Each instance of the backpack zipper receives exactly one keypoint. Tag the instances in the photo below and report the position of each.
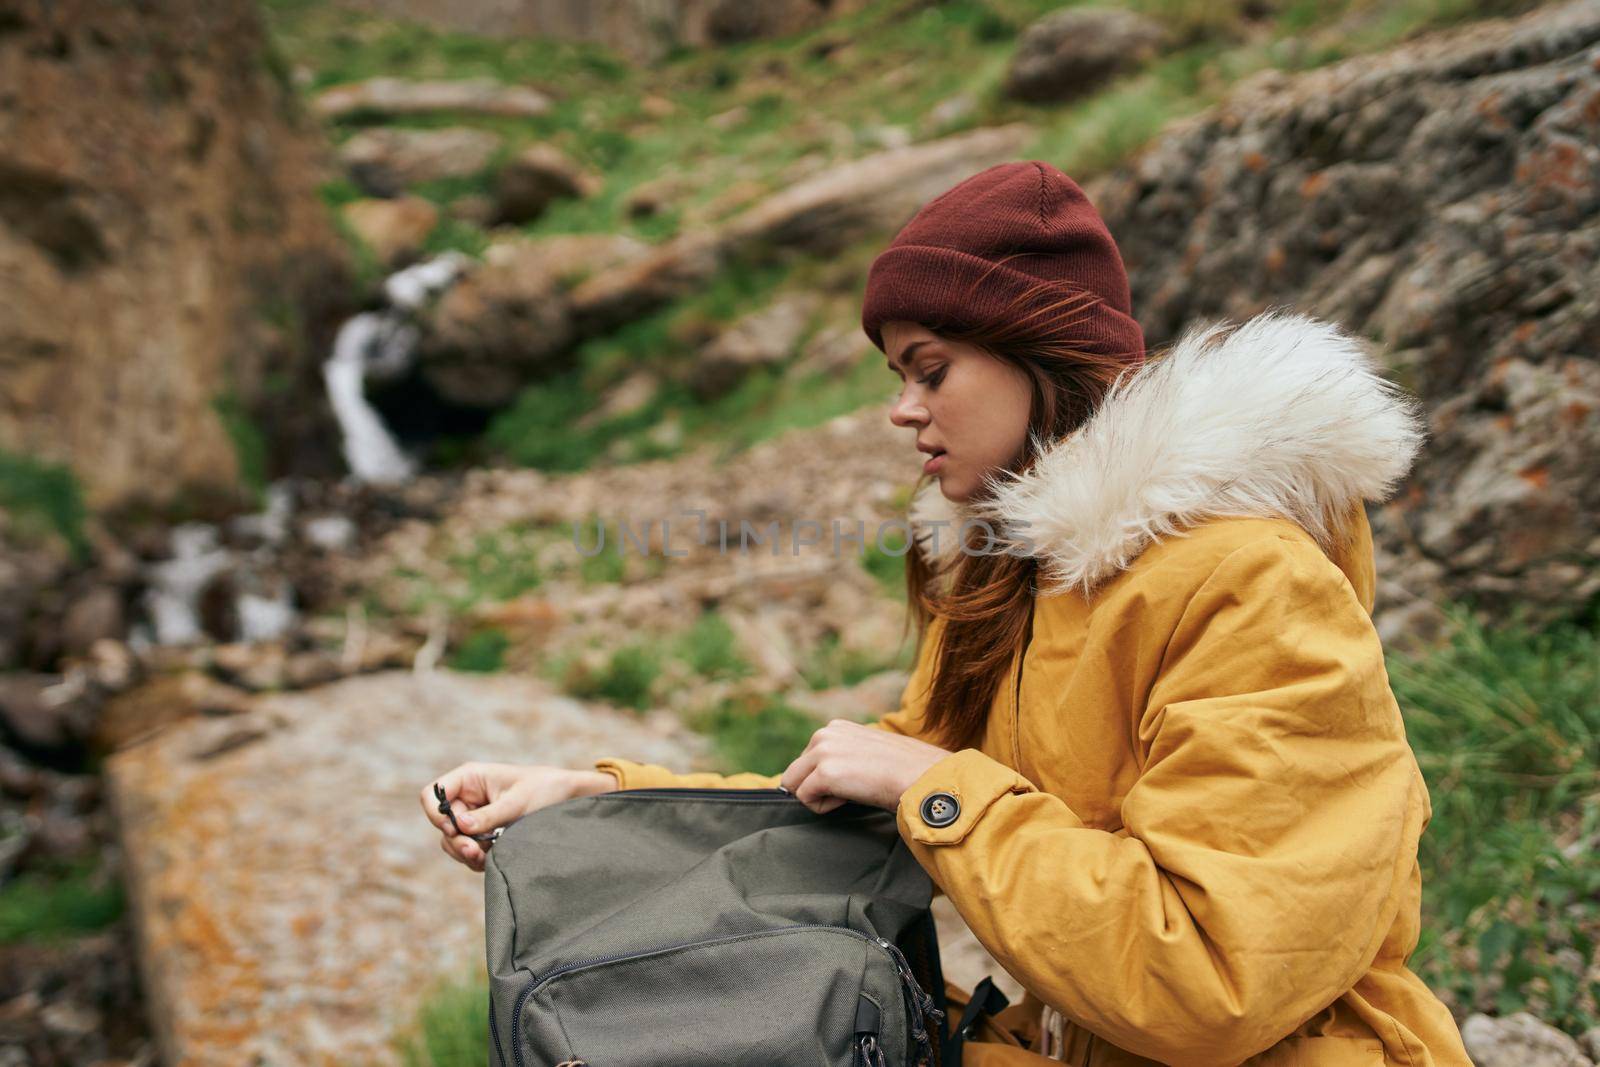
(669, 792)
(920, 1004)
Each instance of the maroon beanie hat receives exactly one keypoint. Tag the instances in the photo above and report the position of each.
(944, 269)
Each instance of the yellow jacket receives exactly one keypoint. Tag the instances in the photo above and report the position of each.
(1191, 826)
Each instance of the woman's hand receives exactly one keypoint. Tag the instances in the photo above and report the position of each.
(488, 795)
(848, 761)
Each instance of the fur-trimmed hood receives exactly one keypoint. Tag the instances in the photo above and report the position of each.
(1283, 416)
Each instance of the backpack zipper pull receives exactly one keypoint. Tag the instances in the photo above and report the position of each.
(868, 1025)
(923, 1010)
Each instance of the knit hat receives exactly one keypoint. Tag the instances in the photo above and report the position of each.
(944, 270)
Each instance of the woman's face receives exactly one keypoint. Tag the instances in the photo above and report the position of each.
(969, 409)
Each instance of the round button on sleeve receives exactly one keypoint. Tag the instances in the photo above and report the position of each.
(940, 809)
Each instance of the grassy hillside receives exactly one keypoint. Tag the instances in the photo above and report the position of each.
(714, 131)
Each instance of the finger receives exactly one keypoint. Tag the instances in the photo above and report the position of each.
(813, 792)
(462, 850)
(797, 771)
(506, 808)
(828, 805)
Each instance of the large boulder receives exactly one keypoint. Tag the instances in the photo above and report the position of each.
(504, 324)
(400, 97)
(1519, 1040)
(765, 338)
(1071, 53)
(395, 230)
(276, 932)
(530, 180)
(1440, 198)
(817, 216)
(386, 161)
(168, 264)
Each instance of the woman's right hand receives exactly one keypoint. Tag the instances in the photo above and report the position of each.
(489, 795)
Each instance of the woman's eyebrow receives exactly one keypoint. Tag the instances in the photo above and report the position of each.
(905, 356)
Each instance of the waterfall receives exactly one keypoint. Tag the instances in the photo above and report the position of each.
(378, 345)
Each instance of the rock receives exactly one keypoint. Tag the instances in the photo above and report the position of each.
(473, 208)
(766, 338)
(568, 257)
(112, 665)
(530, 180)
(503, 325)
(833, 351)
(330, 533)
(650, 198)
(732, 21)
(395, 229)
(1071, 53)
(242, 888)
(46, 713)
(29, 573)
(656, 106)
(633, 393)
(1589, 1042)
(1519, 1040)
(951, 111)
(164, 700)
(95, 614)
(818, 216)
(871, 698)
(883, 190)
(254, 666)
(159, 198)
(385, 162)
(75, 1001)
(397, 97)
(1411, 197)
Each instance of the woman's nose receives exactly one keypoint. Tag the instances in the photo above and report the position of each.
(906, 411)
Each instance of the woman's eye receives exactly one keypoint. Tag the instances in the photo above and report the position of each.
(932, 381)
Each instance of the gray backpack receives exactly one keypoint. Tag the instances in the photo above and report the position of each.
(699, 927)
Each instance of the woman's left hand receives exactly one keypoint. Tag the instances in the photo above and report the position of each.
(848, 761)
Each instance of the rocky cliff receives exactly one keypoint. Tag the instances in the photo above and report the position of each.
(165, 264)
(1440, 198)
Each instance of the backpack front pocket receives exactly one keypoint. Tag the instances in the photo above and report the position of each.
(795, 996)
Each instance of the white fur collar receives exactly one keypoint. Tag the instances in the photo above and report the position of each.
(1285, 416)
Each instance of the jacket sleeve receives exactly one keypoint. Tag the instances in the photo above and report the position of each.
(904, 720)
(1265, 844)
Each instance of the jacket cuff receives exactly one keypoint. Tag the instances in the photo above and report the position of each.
(973, 779)
(631, 774)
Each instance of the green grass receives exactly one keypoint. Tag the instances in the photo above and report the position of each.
(626, 679)
(830, 664)
(482, 651)
(53, 906)
(887, 562)
(452, 1029)
(43, 500)
(500, 565)
(249, 442)
(756, 734)
(1506, 726)
(711, 650)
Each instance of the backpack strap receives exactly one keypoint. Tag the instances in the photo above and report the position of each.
(986, 999)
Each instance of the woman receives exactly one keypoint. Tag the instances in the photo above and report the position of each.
(1149, 749)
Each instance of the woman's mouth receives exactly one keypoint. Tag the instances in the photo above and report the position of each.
(935, 463)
